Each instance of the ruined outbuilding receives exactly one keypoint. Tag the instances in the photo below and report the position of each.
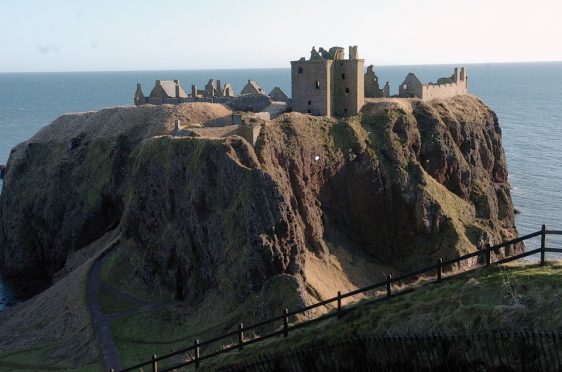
(252, 87)
(446, 87)
(278, 95)
(372, 87)
(164, 91)
(328, 84)
(171, 92)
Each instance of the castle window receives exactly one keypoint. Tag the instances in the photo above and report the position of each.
(405, 86)
(309, 112)
(317, 84)
(343, 76)
(347, 90)
(300, 70)
(309, 103)
(345, 111)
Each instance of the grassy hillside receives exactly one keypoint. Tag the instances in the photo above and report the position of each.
(497, 298)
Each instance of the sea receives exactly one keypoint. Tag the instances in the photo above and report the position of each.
(527, 98)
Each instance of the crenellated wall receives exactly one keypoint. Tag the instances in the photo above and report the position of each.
(446, 87)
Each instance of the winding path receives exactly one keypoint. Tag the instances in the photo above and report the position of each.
(102, 321)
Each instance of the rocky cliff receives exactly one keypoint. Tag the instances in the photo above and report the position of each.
(318, 205)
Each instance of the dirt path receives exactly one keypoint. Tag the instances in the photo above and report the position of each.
(101, 320)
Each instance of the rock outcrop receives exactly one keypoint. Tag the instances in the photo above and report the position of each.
(318, 205)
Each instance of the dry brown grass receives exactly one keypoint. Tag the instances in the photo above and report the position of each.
(145, 121)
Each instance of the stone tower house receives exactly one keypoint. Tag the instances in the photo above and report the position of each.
(328, 84)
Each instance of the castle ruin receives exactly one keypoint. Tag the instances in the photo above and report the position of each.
(445, 87)
(372, 88)
(328, 84)
(171, 92)
(252, 87)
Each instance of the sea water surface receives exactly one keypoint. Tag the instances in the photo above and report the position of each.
(527, 98)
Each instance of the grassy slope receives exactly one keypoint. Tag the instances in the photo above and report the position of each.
(165, 329)
(52, 331)
(514, 297)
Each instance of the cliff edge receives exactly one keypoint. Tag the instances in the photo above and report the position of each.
(318, 205)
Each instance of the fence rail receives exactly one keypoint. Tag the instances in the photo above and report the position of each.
(485, 254)
(512, 351)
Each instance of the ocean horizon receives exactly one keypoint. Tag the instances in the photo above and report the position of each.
(525, 96)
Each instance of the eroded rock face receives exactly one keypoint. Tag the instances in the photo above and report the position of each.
(404, 183)
(209, 218)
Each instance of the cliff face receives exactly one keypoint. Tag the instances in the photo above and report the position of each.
(318, 205)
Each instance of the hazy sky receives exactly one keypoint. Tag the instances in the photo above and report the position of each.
(71, 35)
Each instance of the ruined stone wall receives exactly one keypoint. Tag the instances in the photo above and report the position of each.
(446, 87)
(175, 101)
(348, 87)
(217, 132)
(410, 87)
(433, 91)
(311, 86)
(250, 132)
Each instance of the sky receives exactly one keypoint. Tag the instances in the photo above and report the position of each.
(121, 35)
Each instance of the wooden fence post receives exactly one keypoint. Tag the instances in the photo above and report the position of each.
(339, 304)
(241, 336)
(388, 290)
(154, 363)
(543, 244)
(197, 352)
(285, 322)
(439, 269)
(488, 254)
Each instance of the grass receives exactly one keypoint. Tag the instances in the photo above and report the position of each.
(112, 274)
(162, 331)
(112, 304)
(33, 359)
(496, 298)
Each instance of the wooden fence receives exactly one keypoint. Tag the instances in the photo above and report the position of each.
(281, 322)
(488, 351)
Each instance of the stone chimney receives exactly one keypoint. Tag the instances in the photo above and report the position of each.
(219, 85)
(177, 88)
(193, 91)
(139, 98)
(353, 55)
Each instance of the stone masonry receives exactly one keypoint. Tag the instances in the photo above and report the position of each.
(445, 87)
(372, 88)
(328, 84)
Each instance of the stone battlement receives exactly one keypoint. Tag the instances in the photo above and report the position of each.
(446, 87)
